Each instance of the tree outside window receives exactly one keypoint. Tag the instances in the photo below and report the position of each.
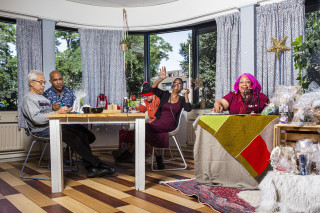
(8, 67)
(68, 58)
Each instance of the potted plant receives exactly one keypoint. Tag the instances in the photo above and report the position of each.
(125, 41)
(306, 52)
(124, 44)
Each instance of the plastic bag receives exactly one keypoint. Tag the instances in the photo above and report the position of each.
(78, 102)
(282, 159)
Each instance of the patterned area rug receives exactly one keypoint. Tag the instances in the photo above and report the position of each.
(219, 198)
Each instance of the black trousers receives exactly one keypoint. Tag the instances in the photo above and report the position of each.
(79, 139)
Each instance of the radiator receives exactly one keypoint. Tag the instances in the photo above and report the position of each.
(11, 138)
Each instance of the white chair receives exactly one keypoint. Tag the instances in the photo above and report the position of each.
(173, 135)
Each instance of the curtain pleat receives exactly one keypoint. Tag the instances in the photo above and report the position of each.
(228, 53)
(102, 65)
(29, 57)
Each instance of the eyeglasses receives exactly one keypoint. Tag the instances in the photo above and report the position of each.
(41, 82)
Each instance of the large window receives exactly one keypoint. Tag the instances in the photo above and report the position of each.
(8, 67)
(188, 53)
(68, 57)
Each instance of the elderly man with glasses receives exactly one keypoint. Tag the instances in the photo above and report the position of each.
(35, 107)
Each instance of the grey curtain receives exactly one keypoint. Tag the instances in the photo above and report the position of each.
(228, 53)
(102, 65)
(29, 57)
(277, 21)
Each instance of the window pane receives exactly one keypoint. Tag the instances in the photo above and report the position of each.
(168, 86)
(172, 51)
(8, 67)
(68, 58)
(207, 67)
(134, 66)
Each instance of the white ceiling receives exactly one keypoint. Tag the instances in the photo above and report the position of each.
(123, 3)
(142, 15)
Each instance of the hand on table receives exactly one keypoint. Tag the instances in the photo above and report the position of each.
(217, 108)
(55, 106)
(63, 110)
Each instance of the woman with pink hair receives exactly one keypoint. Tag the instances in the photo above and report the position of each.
(245, 99)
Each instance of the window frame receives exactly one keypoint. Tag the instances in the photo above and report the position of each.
(197, 30)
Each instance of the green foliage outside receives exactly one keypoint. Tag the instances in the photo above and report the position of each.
(207, 64)
(134, 61)
(8, 68)
(68, 62)
(306, 53)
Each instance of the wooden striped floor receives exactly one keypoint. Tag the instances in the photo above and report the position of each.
(108, 194)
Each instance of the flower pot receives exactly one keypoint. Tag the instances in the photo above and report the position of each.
(124, 47)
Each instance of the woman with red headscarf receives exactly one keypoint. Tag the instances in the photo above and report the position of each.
(245, 99)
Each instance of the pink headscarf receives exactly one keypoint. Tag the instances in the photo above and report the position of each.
(255, 83)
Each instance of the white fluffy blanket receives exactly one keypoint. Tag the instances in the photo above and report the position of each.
(289, 193)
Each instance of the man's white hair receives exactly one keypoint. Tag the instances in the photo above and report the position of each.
(32, 76)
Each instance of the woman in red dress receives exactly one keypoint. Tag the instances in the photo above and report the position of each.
(245, 99)
(166, 115)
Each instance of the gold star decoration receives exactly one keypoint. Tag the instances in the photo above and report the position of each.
(279, 46)
(198, 82)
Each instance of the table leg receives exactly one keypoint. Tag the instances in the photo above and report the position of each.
(140, 154)
(57, 184)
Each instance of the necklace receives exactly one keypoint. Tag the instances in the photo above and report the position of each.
(171, 108)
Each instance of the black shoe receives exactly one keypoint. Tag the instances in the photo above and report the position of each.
(110, 169)
(116, 153)
(97, 172)
(160, 164)
(126, 156)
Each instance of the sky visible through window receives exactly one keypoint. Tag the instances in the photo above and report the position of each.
(174, 39)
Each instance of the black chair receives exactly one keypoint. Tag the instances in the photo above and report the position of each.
(173, 135)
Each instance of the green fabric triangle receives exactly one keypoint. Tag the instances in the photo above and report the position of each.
(212, 123)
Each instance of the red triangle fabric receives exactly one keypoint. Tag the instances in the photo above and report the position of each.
(257, 154)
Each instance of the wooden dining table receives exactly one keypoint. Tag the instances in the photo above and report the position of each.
(55, 121)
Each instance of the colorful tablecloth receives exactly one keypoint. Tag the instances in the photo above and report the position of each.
(246, 139)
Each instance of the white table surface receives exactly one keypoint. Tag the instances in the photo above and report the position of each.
(55, 122)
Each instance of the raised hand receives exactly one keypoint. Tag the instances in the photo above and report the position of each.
(186, 92)
(163, 73)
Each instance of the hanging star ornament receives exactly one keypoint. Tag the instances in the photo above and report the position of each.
(279, 46)
(198, 82)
